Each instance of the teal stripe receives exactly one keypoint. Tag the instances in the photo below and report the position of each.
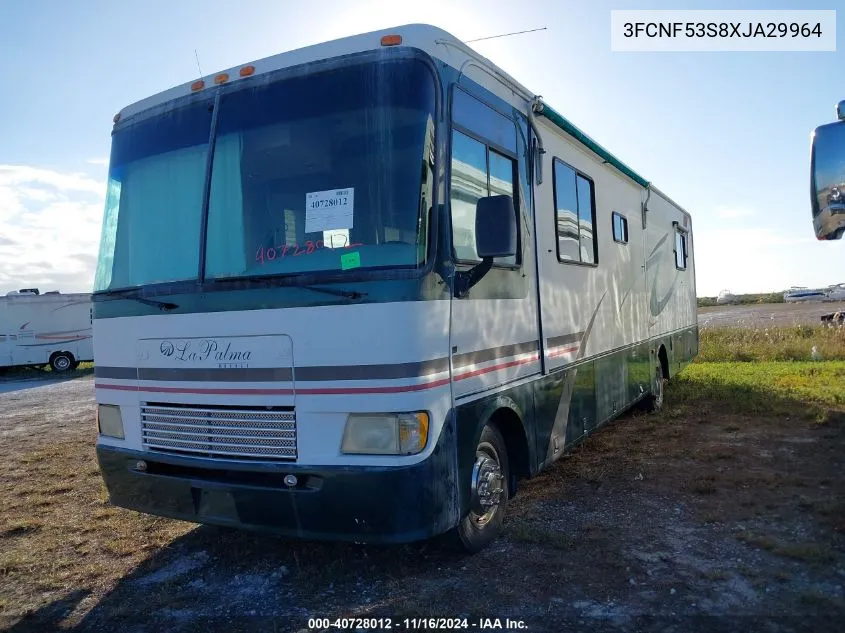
(585, 140)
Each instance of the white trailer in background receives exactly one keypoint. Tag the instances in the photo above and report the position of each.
(45, 329)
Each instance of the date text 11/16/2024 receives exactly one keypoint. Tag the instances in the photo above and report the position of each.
(414, 624)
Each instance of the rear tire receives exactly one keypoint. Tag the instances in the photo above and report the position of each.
(61, 362)
(488, 493)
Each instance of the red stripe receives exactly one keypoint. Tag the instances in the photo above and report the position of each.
(320, 390)
(486, 370)
(564, 350)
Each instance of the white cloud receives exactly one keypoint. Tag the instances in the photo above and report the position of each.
(100, 162)
(22, 175)
(50, 223)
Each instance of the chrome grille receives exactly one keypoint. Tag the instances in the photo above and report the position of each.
(219, 431)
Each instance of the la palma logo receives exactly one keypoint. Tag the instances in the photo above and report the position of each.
(206, 350)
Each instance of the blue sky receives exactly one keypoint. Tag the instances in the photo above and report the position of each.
(726, 135)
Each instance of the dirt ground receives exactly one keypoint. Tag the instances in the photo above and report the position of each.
(697, 519)
(767, 314)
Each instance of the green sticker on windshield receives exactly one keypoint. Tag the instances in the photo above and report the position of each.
(350, 260)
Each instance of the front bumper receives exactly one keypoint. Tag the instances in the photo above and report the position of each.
(371, 504)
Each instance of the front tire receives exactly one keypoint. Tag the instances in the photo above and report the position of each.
(489, 492)
(61, 362)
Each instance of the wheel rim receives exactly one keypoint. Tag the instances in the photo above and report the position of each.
(61, 362)
(487, 485)
(658, 387)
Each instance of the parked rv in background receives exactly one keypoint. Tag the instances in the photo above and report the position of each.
(801, 293)
(836, 292)
(45, 329)
(726, 296)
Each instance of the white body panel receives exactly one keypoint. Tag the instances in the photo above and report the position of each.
(606, 301)
(301, 338)
(33, 327)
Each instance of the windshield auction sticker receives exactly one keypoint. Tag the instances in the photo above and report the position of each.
(329, 210)
(718, 30)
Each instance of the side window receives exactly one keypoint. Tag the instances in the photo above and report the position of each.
(680, 249)
(574, 215)
(620, 228)
(479, 169)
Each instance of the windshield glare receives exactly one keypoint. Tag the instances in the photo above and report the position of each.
(327, 172)
(154, 200)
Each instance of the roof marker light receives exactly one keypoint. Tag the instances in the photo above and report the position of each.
(246, 71)
(221, 78)
(391, 40)
(197, 85)
(116, 117)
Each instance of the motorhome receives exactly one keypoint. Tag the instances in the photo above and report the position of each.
(50, 329)
(802, 293)
(360, 290)
(725, 296)
(835, 292)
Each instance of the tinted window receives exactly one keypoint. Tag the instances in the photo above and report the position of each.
(574, 215)
(620, 228)
(154, 200)
(585, 220)
(477, 171)
(315, 173)
(470, 113)
(680, 250)
(469, 183)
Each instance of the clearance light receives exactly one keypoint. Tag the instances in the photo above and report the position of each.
(116, 117)
(246, 71)
(391, 40)
(197, 85)
(221, 78)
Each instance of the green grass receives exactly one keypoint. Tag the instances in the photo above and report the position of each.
(764, 387)
(793, 343)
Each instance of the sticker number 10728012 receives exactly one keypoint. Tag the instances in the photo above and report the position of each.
(272, 253)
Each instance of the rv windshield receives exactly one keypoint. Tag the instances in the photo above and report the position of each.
(323, 172)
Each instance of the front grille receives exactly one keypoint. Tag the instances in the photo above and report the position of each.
(267, 433)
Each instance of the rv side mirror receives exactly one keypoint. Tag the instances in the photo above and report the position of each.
(495, 227)
(827, 180)
(495, 236)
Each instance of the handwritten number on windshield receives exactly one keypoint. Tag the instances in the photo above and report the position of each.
(264, 255)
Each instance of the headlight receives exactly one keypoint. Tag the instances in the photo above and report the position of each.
(109, 421)
(385, 433)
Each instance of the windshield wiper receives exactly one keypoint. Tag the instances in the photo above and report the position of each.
(133, 294)
(349, 294)
(268, 279)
